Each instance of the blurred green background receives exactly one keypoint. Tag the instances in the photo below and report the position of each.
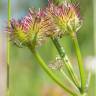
(26, 76)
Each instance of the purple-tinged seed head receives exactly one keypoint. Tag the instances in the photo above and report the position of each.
(66, 16)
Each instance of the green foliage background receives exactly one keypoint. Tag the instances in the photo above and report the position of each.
(26, 76)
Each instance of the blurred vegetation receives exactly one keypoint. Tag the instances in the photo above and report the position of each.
(26, 76)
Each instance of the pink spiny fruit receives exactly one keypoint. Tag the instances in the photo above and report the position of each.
(66, 16)
(34, 28)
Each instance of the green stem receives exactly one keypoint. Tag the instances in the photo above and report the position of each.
(68, 79)
(94, 40)
(50, 73)
(9, 15)
(88, 81)
(80, 61)
(66, 61)
(94, 21)
(9, 12)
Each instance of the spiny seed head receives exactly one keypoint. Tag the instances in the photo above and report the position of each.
(66, 16)
(33, 28)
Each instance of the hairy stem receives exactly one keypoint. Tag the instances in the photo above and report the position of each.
(80, 61)
(50, 73)
(66, 61)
